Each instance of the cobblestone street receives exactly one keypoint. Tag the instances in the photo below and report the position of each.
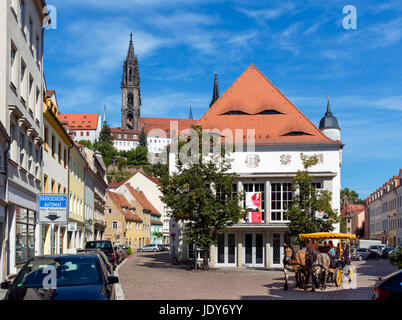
(149, 276)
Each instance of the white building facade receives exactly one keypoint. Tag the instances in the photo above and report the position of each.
(21, 92)
(281, 135)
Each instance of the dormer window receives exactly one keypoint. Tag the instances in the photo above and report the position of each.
(234, 112)
(296, 133)
(271, 111)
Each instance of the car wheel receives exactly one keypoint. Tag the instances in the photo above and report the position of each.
(154, 250)
(360, 258)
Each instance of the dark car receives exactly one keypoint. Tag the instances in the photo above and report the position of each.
(82, 276)
(386, 251)
(103, 256)
(107, 247)
(389, 287)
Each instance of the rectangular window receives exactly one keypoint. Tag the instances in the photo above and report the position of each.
(114, 225)
(22, 81)
(31, 101)
(38, 58)
(53, 146)
(30, 157)
(53, 186)
(256, 187)
(13, 66)
(87, 133)
(281, 198)
(22, 15)
(30, 33)
(25, 230)
(60, 150)
(65, 158)
(45, 184)
(22, 150)
(13, 142)
(46, 139)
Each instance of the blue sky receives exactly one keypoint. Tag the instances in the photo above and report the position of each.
(301, 46)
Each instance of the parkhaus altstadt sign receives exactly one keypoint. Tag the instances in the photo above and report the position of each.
(52, 209)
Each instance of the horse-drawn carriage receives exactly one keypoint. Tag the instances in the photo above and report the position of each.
(343, 254)
(316, 262)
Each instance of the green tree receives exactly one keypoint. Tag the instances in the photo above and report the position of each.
(86, 143)
(396, 257)
(122, 162)
(350, 196)
(105, 135)
(200, 194)
(307, 201)
(138, 156)
(105, 145)
(143, 138)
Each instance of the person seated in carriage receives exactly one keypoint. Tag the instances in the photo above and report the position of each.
(332, 254)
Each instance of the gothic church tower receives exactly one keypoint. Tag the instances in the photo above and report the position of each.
(130, 91)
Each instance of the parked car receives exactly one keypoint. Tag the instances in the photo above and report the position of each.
(386, 251)
(150, 247)
(165, 247)
(389, 287)
(81, 276)
(103, 256)
(377, 248)
(120, 254)
(107, 247)
(361, 254)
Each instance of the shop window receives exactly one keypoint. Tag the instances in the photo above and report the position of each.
(25, 235)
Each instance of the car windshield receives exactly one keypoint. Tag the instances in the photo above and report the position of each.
(100, 245)
(70, 271)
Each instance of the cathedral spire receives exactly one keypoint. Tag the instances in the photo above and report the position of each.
(190, 116)
(104, 114)
(215, 92)
(131, 95)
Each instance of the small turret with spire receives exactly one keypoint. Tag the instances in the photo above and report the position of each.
(329, 124)
(215, 91)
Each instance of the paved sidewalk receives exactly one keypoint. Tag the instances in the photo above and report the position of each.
(149, 276)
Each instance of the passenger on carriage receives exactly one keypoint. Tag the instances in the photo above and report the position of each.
(332, 253)
(312, 246)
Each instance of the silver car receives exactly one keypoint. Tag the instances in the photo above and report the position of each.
(150, 248)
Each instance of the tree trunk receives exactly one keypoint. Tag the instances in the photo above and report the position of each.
(205, 266)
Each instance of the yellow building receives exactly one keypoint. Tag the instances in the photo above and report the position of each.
(55, 170)
(77, 167)
(144, 211)
(123, 224)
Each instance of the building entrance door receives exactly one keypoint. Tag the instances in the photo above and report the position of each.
(254, 249)
(276, 250)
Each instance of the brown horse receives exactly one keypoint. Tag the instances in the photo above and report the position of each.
(317, 264)
(294, 261)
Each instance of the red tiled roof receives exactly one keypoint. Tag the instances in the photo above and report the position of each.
(80, 121)
(121, 201)
(251, 94)
(156, 222)
(142, 200)
(117, 184)
(159, 126)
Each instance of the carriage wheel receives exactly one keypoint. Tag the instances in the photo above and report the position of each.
(351, 274)
(338, 277)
